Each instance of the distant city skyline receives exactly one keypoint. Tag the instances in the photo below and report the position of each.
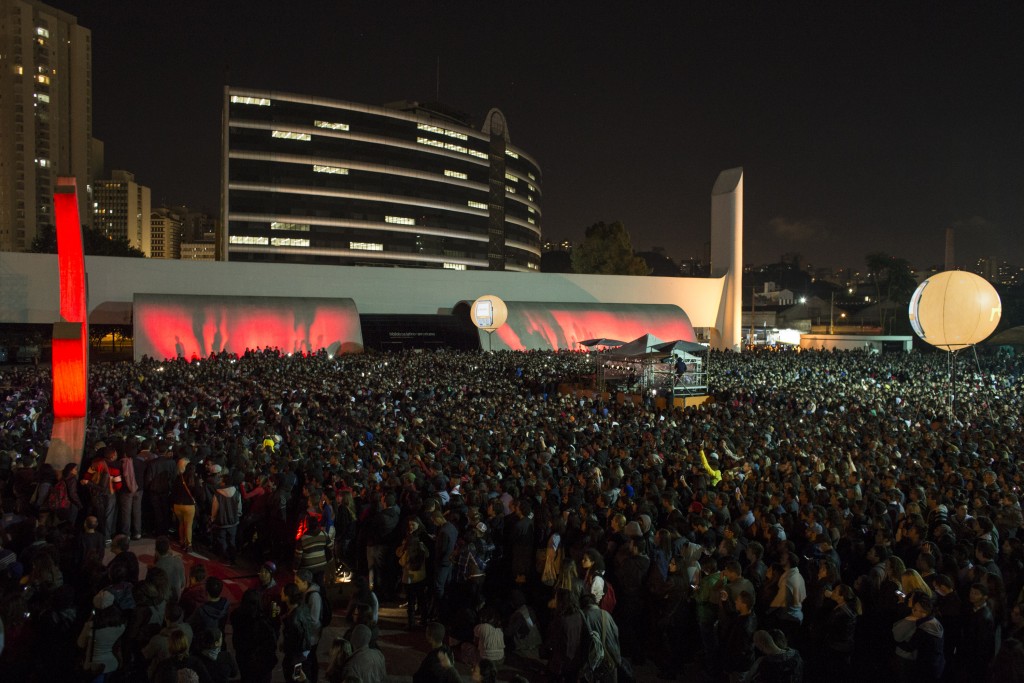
(867, 128)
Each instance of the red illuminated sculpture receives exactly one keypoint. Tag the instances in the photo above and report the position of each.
(71, 334)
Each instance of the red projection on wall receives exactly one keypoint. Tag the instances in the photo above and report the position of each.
(536, 325)
(70, 339)
(196, 326)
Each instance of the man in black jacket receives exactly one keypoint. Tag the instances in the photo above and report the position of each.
(157, 478)
(379, 546)
(978, 642)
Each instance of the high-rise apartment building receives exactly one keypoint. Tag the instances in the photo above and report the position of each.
(314, 180)
(45, 117)
(165, 226)
(122, 210)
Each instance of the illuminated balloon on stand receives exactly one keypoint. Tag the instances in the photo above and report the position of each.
(955, 309)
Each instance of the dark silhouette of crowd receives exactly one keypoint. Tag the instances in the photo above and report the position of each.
(828, 515)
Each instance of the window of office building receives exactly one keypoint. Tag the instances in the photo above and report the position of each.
(258, 101)
(337, 170)
(331, 125)
(291, 135)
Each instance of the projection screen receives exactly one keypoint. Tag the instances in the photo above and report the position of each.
(170, 326)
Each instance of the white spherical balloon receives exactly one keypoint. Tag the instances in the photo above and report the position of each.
(955, 309)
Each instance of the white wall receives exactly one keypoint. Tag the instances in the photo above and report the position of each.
(29, 287)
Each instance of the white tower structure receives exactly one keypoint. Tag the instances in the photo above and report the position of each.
(727, 256)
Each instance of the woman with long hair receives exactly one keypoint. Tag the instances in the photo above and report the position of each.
(593, 573)
(183, 502)
(69, 477)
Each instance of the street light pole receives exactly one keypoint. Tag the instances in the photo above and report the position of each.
(831, 317)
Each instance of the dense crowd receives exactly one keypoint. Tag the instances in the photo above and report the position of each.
(838, 514)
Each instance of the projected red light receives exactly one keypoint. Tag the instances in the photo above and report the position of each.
(562, 326)
(169, 327)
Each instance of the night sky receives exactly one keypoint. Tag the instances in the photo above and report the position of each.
(861, 126)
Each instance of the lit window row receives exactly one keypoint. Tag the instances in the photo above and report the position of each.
(248, 239)
(330, 125)
(509, 176)
(258, 101)
(400, 220)
(291, 135)
(529, 197)
(511, 154)
(510, 189)
(532, 177)
(530, 187)
(455, 266)
(533, 266)
(442, 131)
(289, 242)
(337, 170)
(456, 174)
(19, 69)
(41, 78)
(299, 227)
(366, 246)
(451, 147)
(476, 205)
(530, 209)
(40, 31)
(45, 163)
(531, 221)
(42, 97)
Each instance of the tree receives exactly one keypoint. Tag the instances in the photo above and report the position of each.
(95, 244)
(607, 250)
(894, 283)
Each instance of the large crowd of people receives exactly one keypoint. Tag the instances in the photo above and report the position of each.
(827, 514)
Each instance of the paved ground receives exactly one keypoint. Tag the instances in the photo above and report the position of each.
(403, 650)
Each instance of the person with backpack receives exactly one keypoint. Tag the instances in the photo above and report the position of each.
(594, 581)
(320, 613)
(63, 501)
(224, 515)
(600, 640)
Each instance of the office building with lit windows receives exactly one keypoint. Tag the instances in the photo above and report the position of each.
(45, 118)
(121, 210)
(320, 181)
